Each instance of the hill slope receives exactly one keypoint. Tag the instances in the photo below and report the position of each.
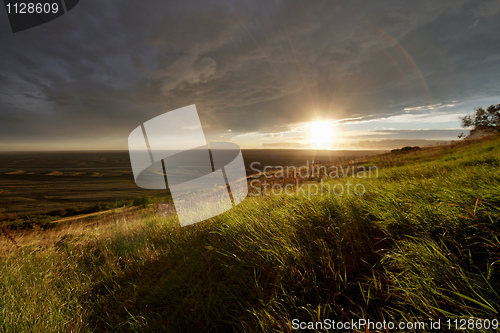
(421, 243)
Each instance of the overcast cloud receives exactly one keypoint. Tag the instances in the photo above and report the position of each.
(88, 78)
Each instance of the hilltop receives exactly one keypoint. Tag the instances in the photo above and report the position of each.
(420, 244)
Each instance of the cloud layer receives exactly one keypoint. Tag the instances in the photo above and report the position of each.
(88, 78)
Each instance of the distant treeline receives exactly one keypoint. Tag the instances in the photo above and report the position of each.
(406, 149)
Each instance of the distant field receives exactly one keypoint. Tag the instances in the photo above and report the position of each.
(298, 157)
(33, 183)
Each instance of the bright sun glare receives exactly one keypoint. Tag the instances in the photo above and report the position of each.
(321, 134)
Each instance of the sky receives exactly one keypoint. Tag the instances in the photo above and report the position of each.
(262, 74)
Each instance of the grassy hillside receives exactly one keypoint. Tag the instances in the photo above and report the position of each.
(422, 243)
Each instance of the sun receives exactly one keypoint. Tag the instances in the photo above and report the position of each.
(321, 134)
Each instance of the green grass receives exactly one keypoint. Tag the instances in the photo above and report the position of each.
(423, 242)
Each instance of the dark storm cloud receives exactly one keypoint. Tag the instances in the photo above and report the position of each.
(106, 67)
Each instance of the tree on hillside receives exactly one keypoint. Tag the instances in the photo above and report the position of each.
(486, 120)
